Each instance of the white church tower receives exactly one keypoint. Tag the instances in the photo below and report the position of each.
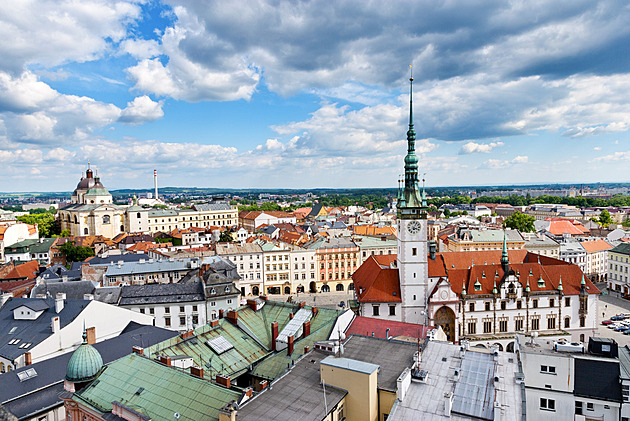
(412, 234)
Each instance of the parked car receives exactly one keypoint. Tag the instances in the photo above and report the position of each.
(626, 332)
(618, 317)
(607, 322)
(620, 328)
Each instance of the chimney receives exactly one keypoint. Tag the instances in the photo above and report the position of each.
(306, 349)
(196, 371)
(221, 314)
(223, 380)
(249, 392)
(232, 316)
(28, 359)
(263, 297)
(91, 335)
(315, 311)
(187, 335)
(88, 297)
(290, 343)
(155, 183)
(252, 304)
(214, 323)
(262, 385)
(290, 316)
(55, 324)
(137, 350)
(306, 328)
(165, 360)
(448, 403)
(274, 335)
(302, 304)
(59, 302)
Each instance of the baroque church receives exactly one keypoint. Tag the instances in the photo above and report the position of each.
(484, 297)
(92, 211)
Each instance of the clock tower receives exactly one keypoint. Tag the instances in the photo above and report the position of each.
(412, 234)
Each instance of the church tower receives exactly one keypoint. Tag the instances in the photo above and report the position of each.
(412, 234)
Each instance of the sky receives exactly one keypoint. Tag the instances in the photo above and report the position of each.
(307, 94)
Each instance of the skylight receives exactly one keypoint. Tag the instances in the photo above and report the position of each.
(13, 329)
(14, 341)
(219, 345)
(27, 374)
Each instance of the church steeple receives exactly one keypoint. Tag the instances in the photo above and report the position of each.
(411, 197)
(505, 262)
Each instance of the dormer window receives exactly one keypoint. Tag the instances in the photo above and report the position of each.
(483, 274)
(541, 282)
(212, 291)
(477, 285)
(227, 289)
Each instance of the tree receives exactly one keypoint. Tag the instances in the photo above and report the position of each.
(447, 213)
(45, 221)
(520, 221)
(74, 253)
(604, 218)
(225, 237)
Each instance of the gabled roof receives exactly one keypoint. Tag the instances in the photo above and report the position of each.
(161, 293)
(623, 248)
(22, 271)
(595, 246)
(377, 281)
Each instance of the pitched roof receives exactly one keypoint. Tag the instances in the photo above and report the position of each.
(161, 293)
(563, 226)
(367, 326)
(595, 245)
(373, 230)
(623, 248)
(377, 281)
(28, 270)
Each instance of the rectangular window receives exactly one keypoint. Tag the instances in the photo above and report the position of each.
(535, 324)
(547, 404)
(503, 325)
(582, 321)
(503, 305)
(625, 392)
(548, 369)
(578, 407)
(392, 310)
(472, 327)
(567, 301)
(471, 306)
(535, 303)
(518, 324)
(151, 310)
(375, 310)
(181, 309)
(142, 310)
(414, 251)
(182, 321)
(487, 305)
(551, 323)
(552, 302)
(519, 304)
(487, 326)
(589, 406)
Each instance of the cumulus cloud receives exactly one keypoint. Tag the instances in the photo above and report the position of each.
(617, 156)
(473, 147)
(497, 164)
(141, 110)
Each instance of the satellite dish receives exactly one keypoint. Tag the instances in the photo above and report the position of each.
(176, 415)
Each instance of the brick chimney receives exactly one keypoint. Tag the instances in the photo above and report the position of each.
(306, 328)
(262, 385)
(223, 380)
(290, 316)
(28, 359)
(137, 350)
(187, 335)
(274, 335)
(232, 316)
(306, 349)
(263, 297)
(252, 304)
(196, 371)
(165, 360)
(290, 344)
(91, 335)
(302, 304)
(315, 310)
(221, 314)
(249, 392)
(214, 323)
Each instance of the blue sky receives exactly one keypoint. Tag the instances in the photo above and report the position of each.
(304, 94)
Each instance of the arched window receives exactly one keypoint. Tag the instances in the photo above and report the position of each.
(567, 322)
(582, 337)
(138, 215)
(106, 219)
(287, 290)
(325, 288)
(1, 367)
(351, 287)
(255, 290)
(85, 231)
(339, 287)
(511, 288)
(76, 219)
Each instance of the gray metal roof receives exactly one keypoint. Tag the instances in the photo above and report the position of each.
(33, 331)
(295, 396)
(161, 293)
(109, 295)
(474, 391)
(23, 398)
(74, 290)
(130, 268)
(212, 207)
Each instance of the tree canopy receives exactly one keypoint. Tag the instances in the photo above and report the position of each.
(74, 253)
(520, 221)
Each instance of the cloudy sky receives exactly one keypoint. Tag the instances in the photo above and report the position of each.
(301, 94)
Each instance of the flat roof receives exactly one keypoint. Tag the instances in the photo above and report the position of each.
(349, 364)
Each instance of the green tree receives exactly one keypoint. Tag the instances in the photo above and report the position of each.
(45, 221)
(520, 221)
(604, 218)
(447, 213)
(225, 237)
(74, 253)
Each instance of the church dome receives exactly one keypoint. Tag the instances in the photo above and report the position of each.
(84, 364)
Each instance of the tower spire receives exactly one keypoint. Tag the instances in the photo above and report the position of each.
(412, 196)
(505, 262)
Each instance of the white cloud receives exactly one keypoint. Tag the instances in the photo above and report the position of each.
(497, 164)
(473, 147)
(597, 148)
(617, 156)
(141, 110)
(140, 48)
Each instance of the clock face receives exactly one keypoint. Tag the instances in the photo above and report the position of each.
(414, 227)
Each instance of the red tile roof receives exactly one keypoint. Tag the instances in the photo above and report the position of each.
(595, 245)
(17, 288)
(28, 270)
(376, 281)
(564, 226)
(368, 325)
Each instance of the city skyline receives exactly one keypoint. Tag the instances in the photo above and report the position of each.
(312, 94)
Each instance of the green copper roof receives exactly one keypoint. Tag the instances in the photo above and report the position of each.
(155, 390)
(410, 197)
(85, 362)
(95, 191)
